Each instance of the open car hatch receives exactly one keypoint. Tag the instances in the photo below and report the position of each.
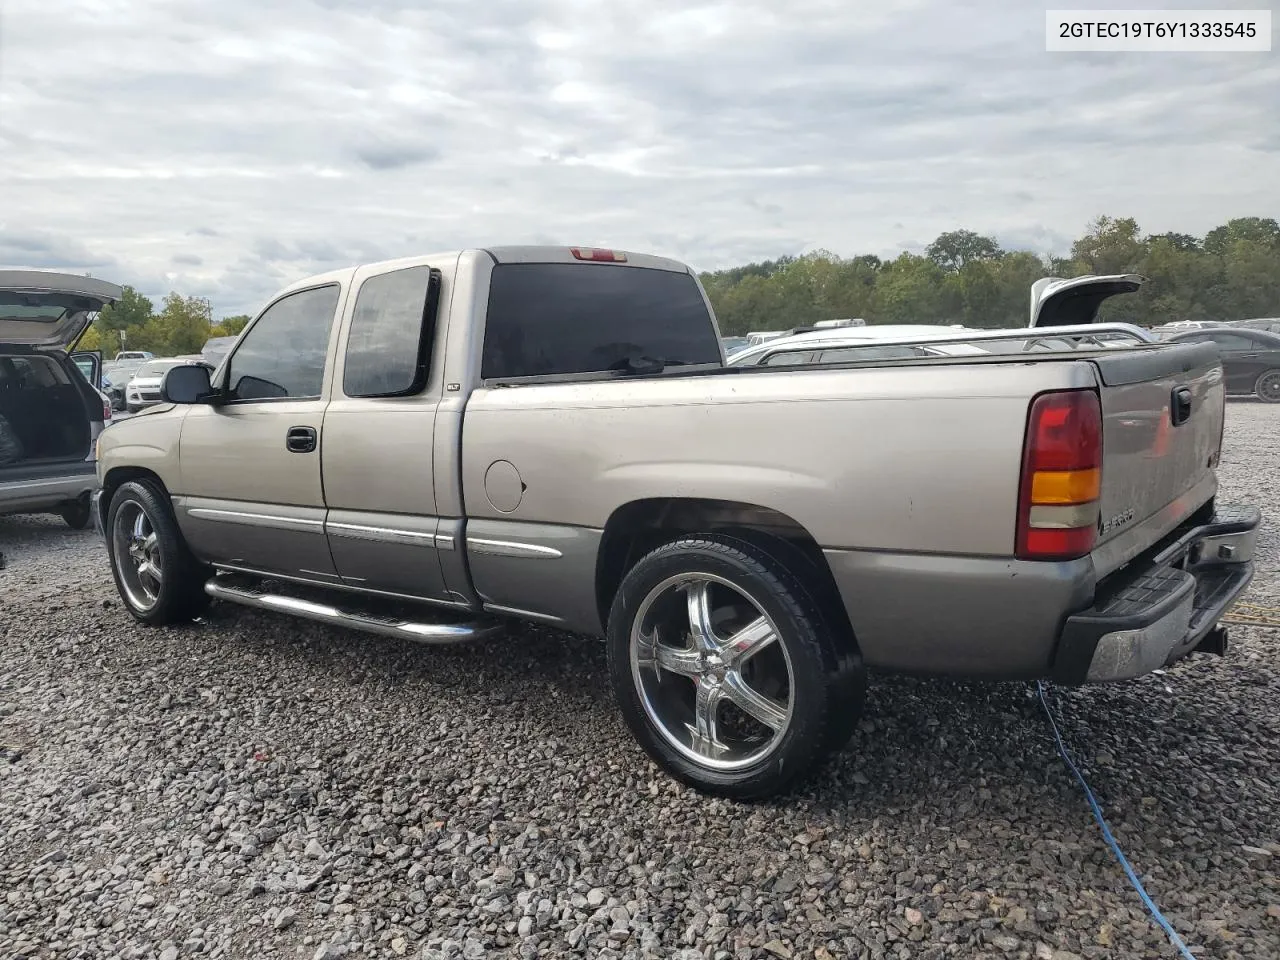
(40, 308)
(1061, 303)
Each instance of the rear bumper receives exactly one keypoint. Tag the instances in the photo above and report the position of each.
(1165, 607)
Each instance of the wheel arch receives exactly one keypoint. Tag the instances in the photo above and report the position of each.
(117, 477)
(636, 528)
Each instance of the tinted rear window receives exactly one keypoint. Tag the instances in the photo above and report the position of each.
(561, 318)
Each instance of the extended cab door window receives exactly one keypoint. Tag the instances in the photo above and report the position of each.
(389, 346)
(549, 319)
(282, 355)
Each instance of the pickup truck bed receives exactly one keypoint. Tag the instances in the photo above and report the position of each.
(551, 434)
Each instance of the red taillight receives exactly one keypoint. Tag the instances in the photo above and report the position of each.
(106, 410)
(1061, 477)
(600, 256)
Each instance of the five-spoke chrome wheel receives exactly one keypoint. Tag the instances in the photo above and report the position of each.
(137, 554)
(710, 671)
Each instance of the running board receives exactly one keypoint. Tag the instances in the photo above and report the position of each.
(436, 634)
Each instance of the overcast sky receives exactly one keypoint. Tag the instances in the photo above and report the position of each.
(226, 149)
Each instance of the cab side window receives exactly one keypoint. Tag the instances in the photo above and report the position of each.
(282, 355)
(389, 346)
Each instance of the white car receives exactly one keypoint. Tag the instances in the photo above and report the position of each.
(853, 343)
(143, 390)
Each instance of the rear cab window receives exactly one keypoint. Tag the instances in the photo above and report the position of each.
(561, 319)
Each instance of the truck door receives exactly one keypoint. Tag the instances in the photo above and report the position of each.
(256, 458)
(378, 459)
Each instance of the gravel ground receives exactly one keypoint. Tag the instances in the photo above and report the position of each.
(251, 787)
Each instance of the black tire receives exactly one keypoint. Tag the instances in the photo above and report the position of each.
(76, 514)
(849, 681)
(180, 595)
(1267, 387)
(826, 683)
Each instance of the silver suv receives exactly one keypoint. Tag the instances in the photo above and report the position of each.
(50, 414)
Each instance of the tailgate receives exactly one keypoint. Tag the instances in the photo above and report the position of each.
(1162, 410)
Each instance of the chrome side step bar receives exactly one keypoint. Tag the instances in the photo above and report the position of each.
(436, 634)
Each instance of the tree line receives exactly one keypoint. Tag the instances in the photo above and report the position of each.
(180, 327)
(1231, 273)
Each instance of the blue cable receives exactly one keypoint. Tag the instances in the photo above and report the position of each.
(1108, 836)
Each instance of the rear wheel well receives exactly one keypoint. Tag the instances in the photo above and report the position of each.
(643, 525)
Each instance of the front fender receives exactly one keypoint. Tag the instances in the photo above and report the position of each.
(148, 443)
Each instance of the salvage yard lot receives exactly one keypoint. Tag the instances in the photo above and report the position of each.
(259, 787)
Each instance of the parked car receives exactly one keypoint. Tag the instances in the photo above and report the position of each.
(848, 344)
(733, 344)
(550, 434)
(134, 355)
(94, 370)
(50, 413)
(143, 389)
(907, 342)
(1166, 330)
(1265, 324)
(117, 375)
(1250, 359)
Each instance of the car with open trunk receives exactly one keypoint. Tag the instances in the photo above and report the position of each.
(51, 414)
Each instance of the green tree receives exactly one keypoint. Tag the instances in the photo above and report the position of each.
(230, 326)
(1254, 230)
(181, 327)
(975, 288)
(1230, 274)
(130, 314)
(952, 250)
(910, 289)
(130, 311)
(1111, 246)
(1015, 273)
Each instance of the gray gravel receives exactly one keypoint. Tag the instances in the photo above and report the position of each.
(253, 787)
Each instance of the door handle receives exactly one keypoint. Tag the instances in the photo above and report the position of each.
(300, 439)
(1180, 409)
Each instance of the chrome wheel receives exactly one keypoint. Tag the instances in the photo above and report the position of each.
(712, 673)
(137, 554)
(1269, 387)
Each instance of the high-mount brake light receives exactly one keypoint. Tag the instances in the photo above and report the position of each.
(597, 255)
(1058, 501)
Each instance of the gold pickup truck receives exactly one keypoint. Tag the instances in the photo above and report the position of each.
(426, 447)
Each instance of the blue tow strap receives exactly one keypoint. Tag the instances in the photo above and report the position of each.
(1107, 834)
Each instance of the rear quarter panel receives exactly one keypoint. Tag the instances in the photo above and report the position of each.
(914, 459)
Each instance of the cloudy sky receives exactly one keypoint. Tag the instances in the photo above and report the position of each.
(226, 149)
